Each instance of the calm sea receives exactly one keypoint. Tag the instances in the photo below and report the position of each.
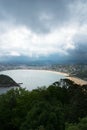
(32, 79)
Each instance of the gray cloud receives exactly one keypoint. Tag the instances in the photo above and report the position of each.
(43, 27)
(80, 41)
(40, 15)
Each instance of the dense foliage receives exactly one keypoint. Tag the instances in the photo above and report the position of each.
(61, 106)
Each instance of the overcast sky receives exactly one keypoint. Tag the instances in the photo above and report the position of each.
(37, 28)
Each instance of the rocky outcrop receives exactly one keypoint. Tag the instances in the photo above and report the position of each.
(6, 81)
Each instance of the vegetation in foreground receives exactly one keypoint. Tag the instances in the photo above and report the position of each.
(61, 106)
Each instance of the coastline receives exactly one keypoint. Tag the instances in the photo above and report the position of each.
(56, 72)
(74, 79)
(51, 71)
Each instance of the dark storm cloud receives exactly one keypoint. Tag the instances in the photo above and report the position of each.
(40, 15)
(80, 51)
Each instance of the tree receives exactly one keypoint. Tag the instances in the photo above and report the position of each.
(82, 125)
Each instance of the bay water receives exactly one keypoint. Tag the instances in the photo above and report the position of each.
(32, 79)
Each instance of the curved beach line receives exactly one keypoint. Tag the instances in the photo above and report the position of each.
(56, 72)
(78, 80)
(74, 79)
(52, 71)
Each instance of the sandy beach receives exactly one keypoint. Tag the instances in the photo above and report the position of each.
(78, 80)
(74, 79)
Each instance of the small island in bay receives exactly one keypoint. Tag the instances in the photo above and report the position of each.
(6, 81)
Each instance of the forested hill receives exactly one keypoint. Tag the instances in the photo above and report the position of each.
(61, 106)
(6, 81)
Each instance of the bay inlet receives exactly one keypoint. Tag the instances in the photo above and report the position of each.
(31, 79)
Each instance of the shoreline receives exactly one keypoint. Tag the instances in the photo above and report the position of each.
(56, 72)
(67, 76)
(51, 71)
(72, 78)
